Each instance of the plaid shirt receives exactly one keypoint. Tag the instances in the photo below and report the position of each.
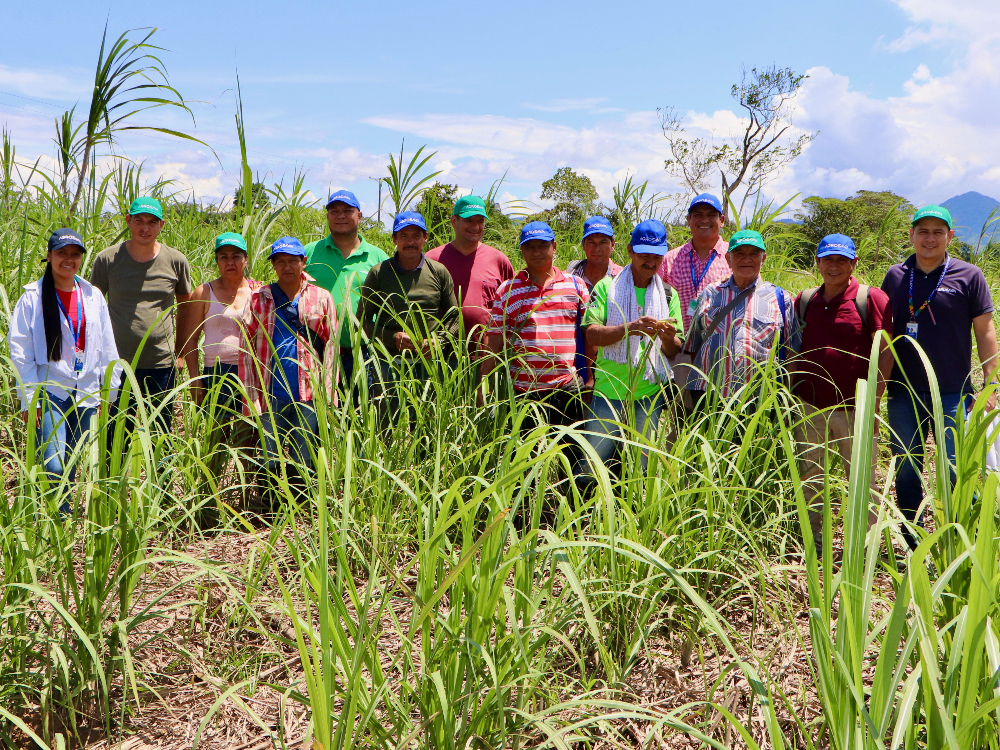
(317, 311)
(745, 337)
(676, 270)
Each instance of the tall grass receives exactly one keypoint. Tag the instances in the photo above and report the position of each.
(444, 585)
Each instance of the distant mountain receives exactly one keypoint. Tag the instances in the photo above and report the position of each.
(970, 211)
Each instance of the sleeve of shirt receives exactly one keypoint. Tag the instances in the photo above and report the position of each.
(506, 268)
(498, 312)
(99, 273)
(880, 311)
(597, 310)
(449, 302)
(183, 275)
(368, 305)
(21, 345)
(980, 301)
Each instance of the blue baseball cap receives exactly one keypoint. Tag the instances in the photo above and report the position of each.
(650, 236)
(287, 245)
(408, 219)
(63, 237)
(597, 225)
(344, 196)
(837, 244)
(708, 199)
(536, 230)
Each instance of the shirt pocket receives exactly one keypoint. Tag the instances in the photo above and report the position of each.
(763, 331)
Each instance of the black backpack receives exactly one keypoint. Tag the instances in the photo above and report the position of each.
(860, 304)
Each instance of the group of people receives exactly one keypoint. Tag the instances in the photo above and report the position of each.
(598, 345)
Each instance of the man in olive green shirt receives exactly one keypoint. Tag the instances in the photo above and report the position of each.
(143, 280)
(633, 319)
(340, 263)
(408, 305)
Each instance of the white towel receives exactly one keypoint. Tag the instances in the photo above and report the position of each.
(624, 308)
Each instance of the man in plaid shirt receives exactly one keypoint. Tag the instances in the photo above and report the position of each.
(700, 261)
(289, 326)
(763, 318)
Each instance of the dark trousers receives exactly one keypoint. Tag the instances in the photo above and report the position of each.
(349, 361)
(154, 382)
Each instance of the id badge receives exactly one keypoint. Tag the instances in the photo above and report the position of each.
(692, 306)
(911, 329)
(78, 362)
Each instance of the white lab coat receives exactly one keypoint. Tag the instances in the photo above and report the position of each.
(28, 350)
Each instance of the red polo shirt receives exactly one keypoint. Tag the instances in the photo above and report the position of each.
(836, 345)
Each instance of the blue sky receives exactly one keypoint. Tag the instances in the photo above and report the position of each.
(903, 92)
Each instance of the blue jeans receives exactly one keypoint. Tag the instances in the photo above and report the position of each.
(63, 425)
(292, 422)
(910, 415)
(224, 377)
(607, 419)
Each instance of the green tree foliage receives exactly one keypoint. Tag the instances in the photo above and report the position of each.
(436, 205)
(861, 214)
(259, 197)
(575, 196)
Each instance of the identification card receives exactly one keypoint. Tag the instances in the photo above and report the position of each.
(78, 362)
(911, 329)
(692, 306)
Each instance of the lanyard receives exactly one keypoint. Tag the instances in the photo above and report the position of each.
(76, 329)
(915, 313)
(704, 272)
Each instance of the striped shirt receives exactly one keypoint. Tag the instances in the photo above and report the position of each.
(539, 327)
(746, 335)
(682, 263)
(317, 311)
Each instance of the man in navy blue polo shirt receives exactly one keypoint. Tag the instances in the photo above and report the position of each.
(939, 301)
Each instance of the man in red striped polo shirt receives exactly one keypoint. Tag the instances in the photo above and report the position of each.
(533, 325)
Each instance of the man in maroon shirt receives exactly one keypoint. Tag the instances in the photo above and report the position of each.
(840, 319)
(477, 269)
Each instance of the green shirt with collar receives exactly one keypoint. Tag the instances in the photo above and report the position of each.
(337, 274)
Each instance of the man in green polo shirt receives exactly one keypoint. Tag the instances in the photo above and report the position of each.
(633, 319)
(340, 263)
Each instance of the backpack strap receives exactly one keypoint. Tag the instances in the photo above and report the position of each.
(861, 303)
(781, 336)
(804, 299)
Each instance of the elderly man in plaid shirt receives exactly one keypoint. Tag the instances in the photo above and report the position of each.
(737, 322)
(289, 326)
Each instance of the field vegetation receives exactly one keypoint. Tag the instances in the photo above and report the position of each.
(438, 584)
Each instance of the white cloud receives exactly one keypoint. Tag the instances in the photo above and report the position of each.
(40, 84)
(593, 105)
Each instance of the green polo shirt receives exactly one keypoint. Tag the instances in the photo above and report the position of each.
(337, 274)
(613, 379)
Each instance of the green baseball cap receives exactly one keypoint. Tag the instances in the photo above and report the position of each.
(470, 205)
(233, 239)
(933, 212)
(146, 206)
(747, 237)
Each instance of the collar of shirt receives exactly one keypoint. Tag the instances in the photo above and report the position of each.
(395, 262)
(848, 294)
(721, 246)
(910, 264)
(731, 283)
(557, 276)
(360, 252)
